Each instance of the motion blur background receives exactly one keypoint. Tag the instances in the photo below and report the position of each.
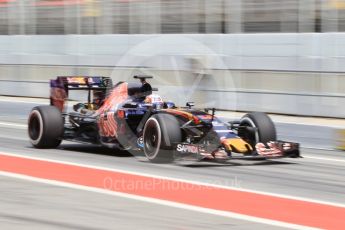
(170, 16)
(266, 55)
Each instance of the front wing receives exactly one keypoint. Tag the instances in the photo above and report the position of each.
(272, 150)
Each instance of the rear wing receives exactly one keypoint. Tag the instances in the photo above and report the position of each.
(60, 87)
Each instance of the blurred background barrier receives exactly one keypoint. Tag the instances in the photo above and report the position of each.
(277, 92)
(170, 16)
(300, 74)
(311, 52)
(231, 54)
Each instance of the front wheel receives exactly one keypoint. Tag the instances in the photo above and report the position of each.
(263, 128)
(45, 127)
(161, 132)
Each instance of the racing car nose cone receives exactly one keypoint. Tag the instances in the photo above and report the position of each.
(236, 145)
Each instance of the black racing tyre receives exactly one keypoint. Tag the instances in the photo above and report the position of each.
(266, 130)
(161, 131)
(45, 127)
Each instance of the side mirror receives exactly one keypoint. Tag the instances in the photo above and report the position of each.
(190, 104)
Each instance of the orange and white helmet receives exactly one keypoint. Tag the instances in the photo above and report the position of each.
(153, 99)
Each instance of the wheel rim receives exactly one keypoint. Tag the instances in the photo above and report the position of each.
(152, 138)
(253, 139)
(35, 127)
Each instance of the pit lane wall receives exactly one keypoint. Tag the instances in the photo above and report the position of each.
(300, 74)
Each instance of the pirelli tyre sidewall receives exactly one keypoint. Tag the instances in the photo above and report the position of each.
(161, 133)
(266, 130)
(45, 127)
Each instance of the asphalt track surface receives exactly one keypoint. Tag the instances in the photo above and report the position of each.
(320, 175)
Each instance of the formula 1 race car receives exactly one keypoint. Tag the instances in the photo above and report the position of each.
(126, 117)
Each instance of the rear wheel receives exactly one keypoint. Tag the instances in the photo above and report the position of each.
(161, 131)
(263, 129)
(45, 127)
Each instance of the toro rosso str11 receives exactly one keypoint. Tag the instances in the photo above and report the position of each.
(126, 117)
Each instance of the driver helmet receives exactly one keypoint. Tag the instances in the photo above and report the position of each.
(155, 100)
